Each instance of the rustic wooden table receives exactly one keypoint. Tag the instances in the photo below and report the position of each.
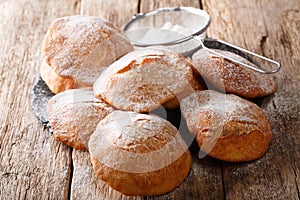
(35, 166)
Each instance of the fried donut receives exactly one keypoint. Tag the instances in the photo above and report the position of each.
(231, 77)
(81, 47)
(74, 114)
(143, 80)
(139, 154)
(226, 126)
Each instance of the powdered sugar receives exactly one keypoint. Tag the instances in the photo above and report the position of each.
(222, 110)
(143, 80)
(168, 33)
(81, 47)
(136, 143)
(74, 115)
(231, 77)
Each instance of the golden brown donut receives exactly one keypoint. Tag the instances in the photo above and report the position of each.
(226, 126)
(143, 80)
(231, 77)
(74, 114)
(139, 154)
(81, 47)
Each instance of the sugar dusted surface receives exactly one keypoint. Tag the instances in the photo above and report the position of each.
(81, 47)
(74, 115)
(227, 114)
(143, 80)
(144, 142)
(231, 77)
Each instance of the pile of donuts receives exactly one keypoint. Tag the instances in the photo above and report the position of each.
(105, 91)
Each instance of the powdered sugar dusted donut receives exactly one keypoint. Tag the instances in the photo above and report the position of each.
(74, 114)
(81, 47)
(143, 80)
(139, 154)
(226, 126)
(58, 83)
(231, 77)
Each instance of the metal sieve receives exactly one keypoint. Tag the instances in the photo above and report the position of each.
(183, 29)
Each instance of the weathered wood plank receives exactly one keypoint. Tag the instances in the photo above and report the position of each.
(85, 184)
(203, 182)
(268, 28)
(146, 6)
(33, 165)
(118, 12)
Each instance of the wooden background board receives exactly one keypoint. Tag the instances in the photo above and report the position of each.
(35, 166)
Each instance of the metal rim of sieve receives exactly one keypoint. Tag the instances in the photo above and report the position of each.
(190, 10)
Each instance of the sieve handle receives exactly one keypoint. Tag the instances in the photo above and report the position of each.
(278, 66)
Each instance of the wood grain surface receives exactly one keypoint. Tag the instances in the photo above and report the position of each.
(35, 166)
